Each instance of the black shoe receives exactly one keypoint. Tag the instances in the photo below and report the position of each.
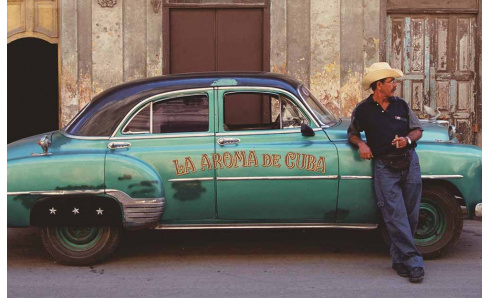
(416, 274)
(401, 269)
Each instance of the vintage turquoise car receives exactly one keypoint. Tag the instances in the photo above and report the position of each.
(215, 151)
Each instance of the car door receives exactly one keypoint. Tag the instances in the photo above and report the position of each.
(265, 168)
(170, 133)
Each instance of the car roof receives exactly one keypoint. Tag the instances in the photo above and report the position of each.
(105, 111)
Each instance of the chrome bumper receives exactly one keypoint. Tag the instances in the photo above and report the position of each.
(139, 213)
(477, 210)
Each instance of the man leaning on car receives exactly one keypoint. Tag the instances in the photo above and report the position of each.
(392, 130)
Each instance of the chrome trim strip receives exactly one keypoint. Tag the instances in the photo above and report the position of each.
(278, 178)
(423, 177)
(82, 137)
(191, 179)
(133, 116)
(187, 135)
(271, 89)
(145, 101)
(266, 226)
(258, 132)
(151, 129)
(442, 176)
(56, 192)
(355, 177)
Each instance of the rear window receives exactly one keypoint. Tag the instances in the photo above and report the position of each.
(182, 114)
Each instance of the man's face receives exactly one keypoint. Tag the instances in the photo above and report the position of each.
(388, 87)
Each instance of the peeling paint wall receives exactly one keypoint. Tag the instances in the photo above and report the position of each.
(278, 44)
(343, 37)
(104, 46)
(68, 49)
(324, 43)
(325, 66)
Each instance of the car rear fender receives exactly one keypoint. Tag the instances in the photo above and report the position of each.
(33, 177)
(138, 187)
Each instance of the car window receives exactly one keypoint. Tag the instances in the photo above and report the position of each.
(182, 114)
(260, 111)
(140, 123)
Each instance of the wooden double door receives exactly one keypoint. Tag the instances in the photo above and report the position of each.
(436, 52)
(216, 39)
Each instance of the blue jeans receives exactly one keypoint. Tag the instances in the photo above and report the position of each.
(398, 196)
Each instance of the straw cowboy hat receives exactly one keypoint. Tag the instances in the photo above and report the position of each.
(378, 71)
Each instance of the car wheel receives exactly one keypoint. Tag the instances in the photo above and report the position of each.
(80, 246)
(440, 222)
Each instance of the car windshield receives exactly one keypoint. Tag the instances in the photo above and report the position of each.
(317, 108)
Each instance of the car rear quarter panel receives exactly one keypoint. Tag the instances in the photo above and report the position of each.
(80, 171)
(74, 164)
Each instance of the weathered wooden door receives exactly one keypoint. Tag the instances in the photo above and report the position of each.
(437, 55)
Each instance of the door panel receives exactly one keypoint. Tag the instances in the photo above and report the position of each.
(436, 54)
(275, 174)
(176, 156)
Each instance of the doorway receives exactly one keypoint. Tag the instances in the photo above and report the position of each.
(436, 53)
(216, 39)
(32, 88)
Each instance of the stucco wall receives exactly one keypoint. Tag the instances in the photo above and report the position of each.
(324, 43)
(104, 46)
(327, 45)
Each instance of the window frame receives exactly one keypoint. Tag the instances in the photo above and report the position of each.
(208, 92)
(223, 91)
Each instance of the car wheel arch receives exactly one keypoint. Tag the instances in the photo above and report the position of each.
(45, 210)
(449, 186)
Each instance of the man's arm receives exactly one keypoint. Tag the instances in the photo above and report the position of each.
(364, 150)
(354, 137)
(415, 135)
(414, 127)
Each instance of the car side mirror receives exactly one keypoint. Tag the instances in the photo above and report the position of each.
(307, 131)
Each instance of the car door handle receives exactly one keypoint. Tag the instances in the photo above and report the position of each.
(228, 141)
(118, 145)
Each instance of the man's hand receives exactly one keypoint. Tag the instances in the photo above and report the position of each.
(365, 151)
(399, 142)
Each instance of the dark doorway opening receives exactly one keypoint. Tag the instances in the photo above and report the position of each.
(32, 88)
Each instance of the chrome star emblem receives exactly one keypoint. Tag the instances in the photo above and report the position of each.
(76, 211)
(52, 211)
(99, 211)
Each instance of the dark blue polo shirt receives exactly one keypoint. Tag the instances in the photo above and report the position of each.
(381, 126)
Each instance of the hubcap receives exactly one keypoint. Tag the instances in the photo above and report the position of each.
(78, 239)
(432, 223)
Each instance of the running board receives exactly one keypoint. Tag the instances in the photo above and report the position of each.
(266, 226)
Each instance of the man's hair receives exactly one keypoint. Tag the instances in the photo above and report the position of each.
(374, 85)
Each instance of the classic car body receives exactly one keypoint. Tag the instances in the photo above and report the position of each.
(218, 150)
